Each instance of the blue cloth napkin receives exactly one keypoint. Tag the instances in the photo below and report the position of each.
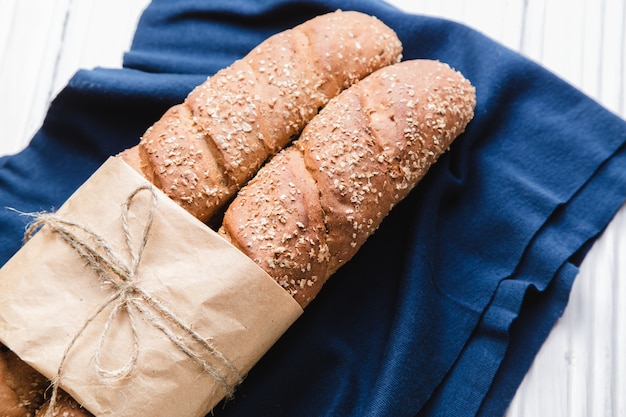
(444, 308)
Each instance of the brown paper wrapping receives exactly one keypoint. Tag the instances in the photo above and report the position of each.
(48, 292)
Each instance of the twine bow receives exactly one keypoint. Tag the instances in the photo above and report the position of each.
(128, 297)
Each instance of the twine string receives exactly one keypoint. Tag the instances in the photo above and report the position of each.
(128, 297)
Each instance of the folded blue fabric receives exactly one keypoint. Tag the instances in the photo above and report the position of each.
(444, 308)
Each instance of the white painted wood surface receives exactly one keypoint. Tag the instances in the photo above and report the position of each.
(581, 369)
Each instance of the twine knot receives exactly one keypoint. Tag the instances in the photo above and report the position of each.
(127, 297)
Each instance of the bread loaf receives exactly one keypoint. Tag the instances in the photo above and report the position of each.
(65, 406)
(21, 387)
(204, 149)
(313, 205)
(22, 391)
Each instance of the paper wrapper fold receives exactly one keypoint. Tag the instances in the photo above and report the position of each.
(50, 295)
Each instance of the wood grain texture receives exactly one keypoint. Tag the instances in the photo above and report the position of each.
(43, 43)
(581, 369)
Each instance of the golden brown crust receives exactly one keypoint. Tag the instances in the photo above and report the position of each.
(278, 222)
(21, 387)
(356, 160)
(341, 155)
(66, 406)
(225, 109)
(247, 112)
(348, 46)
(177, 158)
(288, 90)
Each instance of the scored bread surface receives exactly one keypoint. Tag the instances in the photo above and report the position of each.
(203, 150)
(312, 206)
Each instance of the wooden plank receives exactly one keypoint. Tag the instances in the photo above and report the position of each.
(612, 73)
(43, 44)
(28, 61)
(98, 34)
(501, 20)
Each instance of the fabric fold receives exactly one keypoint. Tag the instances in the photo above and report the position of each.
(544, 277)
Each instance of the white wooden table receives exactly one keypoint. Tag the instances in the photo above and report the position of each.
(581, 369)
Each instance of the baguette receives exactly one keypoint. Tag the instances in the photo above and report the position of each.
(22, 391)
(21, 387)
(313, 205)
(203, 150)
(66, 406)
